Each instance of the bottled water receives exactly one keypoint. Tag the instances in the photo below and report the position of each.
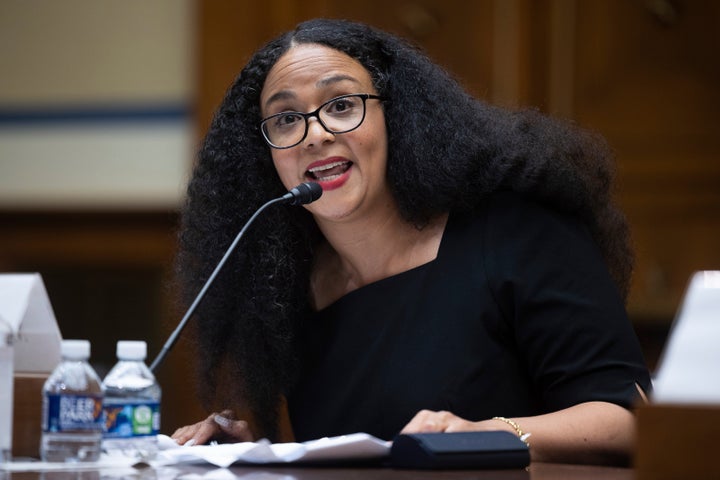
(72, 408)
(132, 404)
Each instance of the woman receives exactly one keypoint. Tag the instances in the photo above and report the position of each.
(464, 269)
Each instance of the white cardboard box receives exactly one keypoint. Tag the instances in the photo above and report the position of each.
(25, 312)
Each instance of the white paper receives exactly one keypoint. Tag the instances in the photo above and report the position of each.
(357, 446)
(25, 309)
(689, 369)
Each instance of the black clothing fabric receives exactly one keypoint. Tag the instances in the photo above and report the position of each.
(516, 316)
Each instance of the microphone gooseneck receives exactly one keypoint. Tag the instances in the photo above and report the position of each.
(304, 193)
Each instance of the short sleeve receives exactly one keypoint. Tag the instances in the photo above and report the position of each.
(569, 323)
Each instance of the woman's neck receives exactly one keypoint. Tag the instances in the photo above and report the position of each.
(371, 249)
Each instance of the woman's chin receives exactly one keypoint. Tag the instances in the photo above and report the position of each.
(333, 207)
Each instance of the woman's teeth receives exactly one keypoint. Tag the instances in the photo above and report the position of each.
(328, 178)
(329, 172)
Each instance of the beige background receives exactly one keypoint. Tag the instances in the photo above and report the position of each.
(96, 55)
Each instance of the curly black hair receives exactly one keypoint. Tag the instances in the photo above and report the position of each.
(447, 152)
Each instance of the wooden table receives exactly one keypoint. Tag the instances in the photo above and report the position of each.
(537, 471)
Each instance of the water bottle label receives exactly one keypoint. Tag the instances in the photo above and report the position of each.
(66, 413)
(132, 419)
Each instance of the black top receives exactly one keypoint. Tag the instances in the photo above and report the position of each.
(516, 316)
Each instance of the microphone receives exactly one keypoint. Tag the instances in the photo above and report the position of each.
(303, 194)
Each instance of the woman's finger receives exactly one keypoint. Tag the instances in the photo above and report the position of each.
(234, 430)
(198, 433)
(428, 421)
(423, 421)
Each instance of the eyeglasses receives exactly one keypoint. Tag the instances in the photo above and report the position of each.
(339, 115)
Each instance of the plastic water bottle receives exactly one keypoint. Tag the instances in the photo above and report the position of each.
(132, 404)
(72, 408)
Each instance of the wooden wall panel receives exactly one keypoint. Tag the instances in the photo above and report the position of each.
(457, 33)
(647, 76)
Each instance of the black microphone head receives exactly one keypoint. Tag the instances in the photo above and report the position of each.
(306, 192)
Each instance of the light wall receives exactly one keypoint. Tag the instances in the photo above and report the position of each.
(95, 103)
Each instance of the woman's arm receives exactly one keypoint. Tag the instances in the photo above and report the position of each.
(591, 432)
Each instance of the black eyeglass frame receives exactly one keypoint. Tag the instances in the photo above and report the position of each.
(316, 113)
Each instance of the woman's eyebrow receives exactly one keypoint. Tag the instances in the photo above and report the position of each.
(281, 95)
(324, 82)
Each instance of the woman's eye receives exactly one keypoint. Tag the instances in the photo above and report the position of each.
(341, 105)
(287, 120)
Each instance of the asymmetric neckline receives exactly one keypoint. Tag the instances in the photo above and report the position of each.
(397, 277)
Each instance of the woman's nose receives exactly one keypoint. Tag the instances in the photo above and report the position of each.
(317, 134)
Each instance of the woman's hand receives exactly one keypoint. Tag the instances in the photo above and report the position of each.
(221, 427)
(427, 421)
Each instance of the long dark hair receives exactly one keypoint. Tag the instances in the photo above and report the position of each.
(447, 152)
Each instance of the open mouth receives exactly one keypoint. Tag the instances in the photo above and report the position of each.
(329, 172)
